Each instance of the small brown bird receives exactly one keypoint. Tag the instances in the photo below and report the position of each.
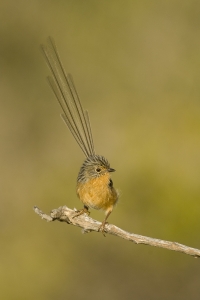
(94, 184)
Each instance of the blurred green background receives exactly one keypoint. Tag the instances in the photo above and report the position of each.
(136, 65)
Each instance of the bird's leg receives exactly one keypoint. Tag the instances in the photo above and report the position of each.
(102, 226)
(82, 211)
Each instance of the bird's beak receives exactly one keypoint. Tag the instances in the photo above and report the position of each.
(111, 170)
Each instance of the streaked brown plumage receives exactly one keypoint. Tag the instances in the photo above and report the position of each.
(94, 185)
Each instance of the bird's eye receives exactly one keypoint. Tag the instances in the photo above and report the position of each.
(98, 170)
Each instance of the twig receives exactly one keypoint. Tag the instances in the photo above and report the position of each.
(65, 214)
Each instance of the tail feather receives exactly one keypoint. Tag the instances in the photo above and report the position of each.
(62, 85)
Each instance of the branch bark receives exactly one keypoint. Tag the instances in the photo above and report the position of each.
(65, 214)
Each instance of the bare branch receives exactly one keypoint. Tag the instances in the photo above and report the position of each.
(65, 214)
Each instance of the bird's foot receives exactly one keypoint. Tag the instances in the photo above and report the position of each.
(81, 211)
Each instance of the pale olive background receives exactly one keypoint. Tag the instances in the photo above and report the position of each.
(136, 65)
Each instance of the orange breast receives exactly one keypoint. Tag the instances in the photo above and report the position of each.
(96, 193)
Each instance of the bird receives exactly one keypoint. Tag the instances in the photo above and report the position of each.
(94, 186)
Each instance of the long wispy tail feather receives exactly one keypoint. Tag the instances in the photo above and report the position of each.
(62, 84)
